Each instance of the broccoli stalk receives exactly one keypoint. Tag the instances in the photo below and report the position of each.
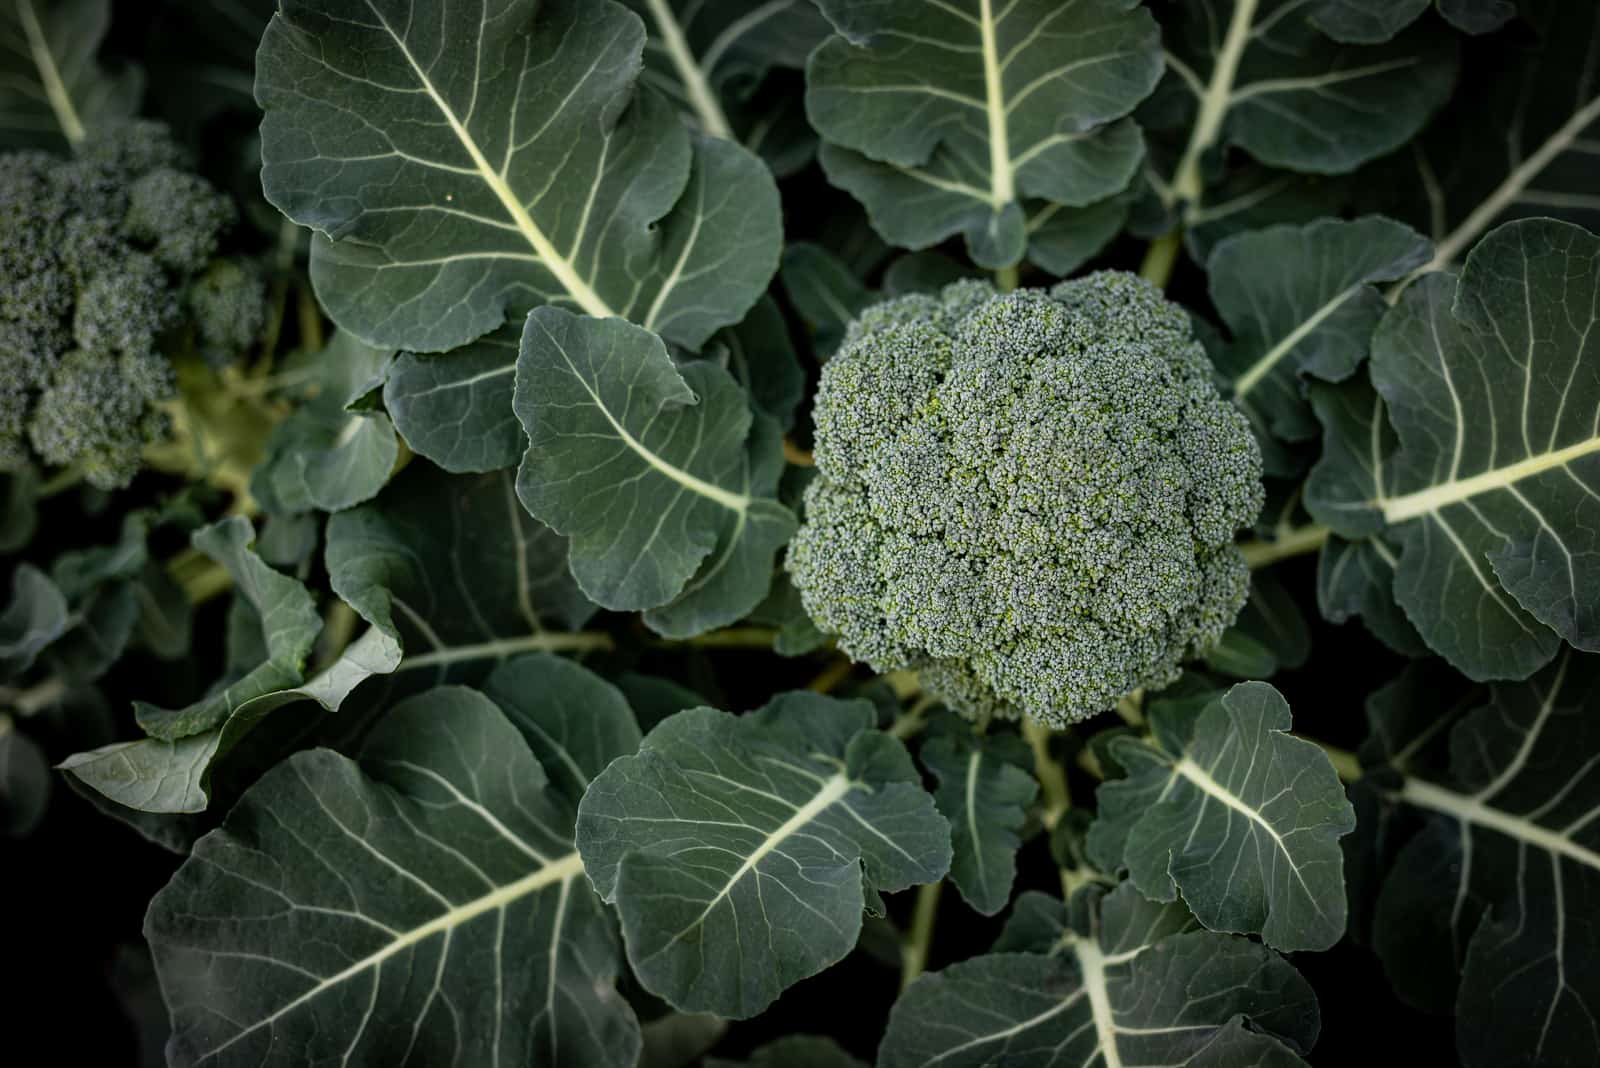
(1030, 499)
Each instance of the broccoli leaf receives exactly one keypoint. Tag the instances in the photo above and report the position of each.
(973, 117)
(984, 792)
(1133, 987)
(1356, 578)
(289, 623)
(1514, 141)
(36, 616)
(1499, 883)
(1258, 74)
(456, 411)
(504, 162)
(454, 575)
(824, 290)
(741, 851)
(1489, 502)
(710, 58)
(331, 454)
(24, 781)
(1299, 300)
(651, 471)
(423, 904)
(1227, 809)
(52, 88)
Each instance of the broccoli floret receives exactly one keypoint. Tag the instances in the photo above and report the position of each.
(98, 255)
(228, 305)
(97, 413)
(1030, 498)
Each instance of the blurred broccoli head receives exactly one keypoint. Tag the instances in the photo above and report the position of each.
(1029, 498)
(98, 255)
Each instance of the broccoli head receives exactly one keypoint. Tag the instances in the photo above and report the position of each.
(1030, 498)
(96, 265)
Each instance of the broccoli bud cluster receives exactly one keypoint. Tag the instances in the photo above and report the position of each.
(1030, 499)
(107, 257)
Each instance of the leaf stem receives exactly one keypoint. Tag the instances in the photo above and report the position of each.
(1006, 278)
(1048, 770)
(910, 723)
(914, 950)
(547, 642)
(1289, 541)
(30, 700)
(796, 455)
(831, 676)
(60, 482)
(726, 638)
(1161, 257)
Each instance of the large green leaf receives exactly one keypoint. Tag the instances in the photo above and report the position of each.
(1490, 499)
(1227, 809)
(651, 471)
(1299, 300)
(455, 576)
(503, 161)
(1258, 74)
(740, 851)
(53, 90)
(1132, 987)
(1500, 884)
(1372, 21)
(984, 791)
(424, 906)
(1516, 140)
(973, 117)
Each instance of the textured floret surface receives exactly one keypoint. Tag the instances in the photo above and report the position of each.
(1028, 498)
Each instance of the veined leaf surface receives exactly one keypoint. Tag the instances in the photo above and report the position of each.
(1135, 987)
(504, 161)
(970, 117)
(651, 471)
(1491, 499)
(424, 906)
(1230, 811)
(984, 791)
(740, 851)
(1299, 300)
(1518, 141)
(1501, 883)
(53, 90)
(1258, 74)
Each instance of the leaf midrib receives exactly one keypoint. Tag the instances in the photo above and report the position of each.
(558, 265)
(1420, 793)
(1454, 491)
(55, 89)
(560, 870)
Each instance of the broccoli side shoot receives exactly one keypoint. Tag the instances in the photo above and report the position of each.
(107, 267)
(1030, 499)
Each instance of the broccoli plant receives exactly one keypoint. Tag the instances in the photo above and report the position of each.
(792, 533)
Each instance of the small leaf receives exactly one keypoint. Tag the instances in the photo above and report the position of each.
(1298, 301)
(740, 851)
(644, 468)
(424, 905)
(24, 782)
(794, 1051)
(946, 118)
(984, 792)
(36, 616)
(1356, 578)
(826, 293)
(1240, 818)
(758, 354)
(456, 409)
(289, 626)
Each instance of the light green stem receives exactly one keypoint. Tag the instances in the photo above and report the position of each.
(1048, 770)
(1005, 278)
(1160, 258)
(548, 642)
(1289, 542)
(914, 951)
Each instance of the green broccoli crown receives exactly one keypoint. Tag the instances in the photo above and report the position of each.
(1028, 498)
(228, 305)
(98, 254)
